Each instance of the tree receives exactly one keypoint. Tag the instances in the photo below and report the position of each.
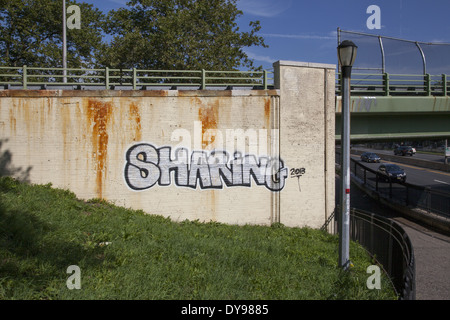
(31, 34)
(179, 34)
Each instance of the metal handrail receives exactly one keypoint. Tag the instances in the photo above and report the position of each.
(409, 192)
(388, 244)
(394, 252)
(107, 77)
(387, 84)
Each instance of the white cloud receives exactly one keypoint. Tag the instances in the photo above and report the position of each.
(438, 41)
(258, 57)
(299, 36)
(264, 8)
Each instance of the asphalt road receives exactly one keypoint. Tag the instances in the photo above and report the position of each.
(433, 179)
(424, 156)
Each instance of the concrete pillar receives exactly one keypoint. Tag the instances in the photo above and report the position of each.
(307, 141)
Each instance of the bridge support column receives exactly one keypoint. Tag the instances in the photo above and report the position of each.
(307, 121)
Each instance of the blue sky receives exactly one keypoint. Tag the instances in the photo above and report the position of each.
(300, 30)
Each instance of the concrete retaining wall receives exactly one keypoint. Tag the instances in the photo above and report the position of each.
(233, 156)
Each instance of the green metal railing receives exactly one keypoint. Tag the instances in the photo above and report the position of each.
(26, 77)
(386, 84)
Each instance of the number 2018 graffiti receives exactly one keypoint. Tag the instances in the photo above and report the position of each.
(297, 173)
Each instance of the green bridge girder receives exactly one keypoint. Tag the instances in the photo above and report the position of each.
(396, 117)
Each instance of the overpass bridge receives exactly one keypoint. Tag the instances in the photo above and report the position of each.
(399, 88)
(397, 107)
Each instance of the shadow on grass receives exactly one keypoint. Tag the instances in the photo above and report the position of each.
(33, 259)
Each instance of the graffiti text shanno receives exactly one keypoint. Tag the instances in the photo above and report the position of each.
(147, 166)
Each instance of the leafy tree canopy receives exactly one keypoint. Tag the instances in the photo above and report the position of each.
(179, 34)
(147, 34)
(31, 34)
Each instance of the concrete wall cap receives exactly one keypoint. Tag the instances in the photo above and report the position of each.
(304, 64)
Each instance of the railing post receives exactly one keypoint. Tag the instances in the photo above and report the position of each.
(407, 195)
(428, 84)
(371, 233)
(265, 80)
(134, 78)
(24, 77)
(444, 84)
(340, 83)
(390, 249)
(203, 86)
(390, 188)
(386, 84)
(106, 78)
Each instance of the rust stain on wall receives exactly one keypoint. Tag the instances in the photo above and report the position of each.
(65, 115)
(12, 121)
(267, 104)
(209, 116)
(135, 116)
(99, 114)
(23, 108)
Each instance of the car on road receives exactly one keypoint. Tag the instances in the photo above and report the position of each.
(370, 157)
(391, 172)
(404, 150)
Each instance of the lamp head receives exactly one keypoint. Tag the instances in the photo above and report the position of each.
(347, 53)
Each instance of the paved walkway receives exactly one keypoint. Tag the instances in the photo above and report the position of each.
(432, 253)
(431, 249)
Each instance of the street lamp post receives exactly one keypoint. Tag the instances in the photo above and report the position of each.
(64, 42)
(346, 54)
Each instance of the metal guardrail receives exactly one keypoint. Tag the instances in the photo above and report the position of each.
(404, 193)
(385, 84)
(389, 245)
(26, 77)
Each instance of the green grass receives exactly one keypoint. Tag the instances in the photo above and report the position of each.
(45, 230)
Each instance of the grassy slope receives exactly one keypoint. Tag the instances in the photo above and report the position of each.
(45, 230)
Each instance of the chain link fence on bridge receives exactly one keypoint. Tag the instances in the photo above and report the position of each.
(382, 54)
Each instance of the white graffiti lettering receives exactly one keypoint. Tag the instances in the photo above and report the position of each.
(147, 166)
